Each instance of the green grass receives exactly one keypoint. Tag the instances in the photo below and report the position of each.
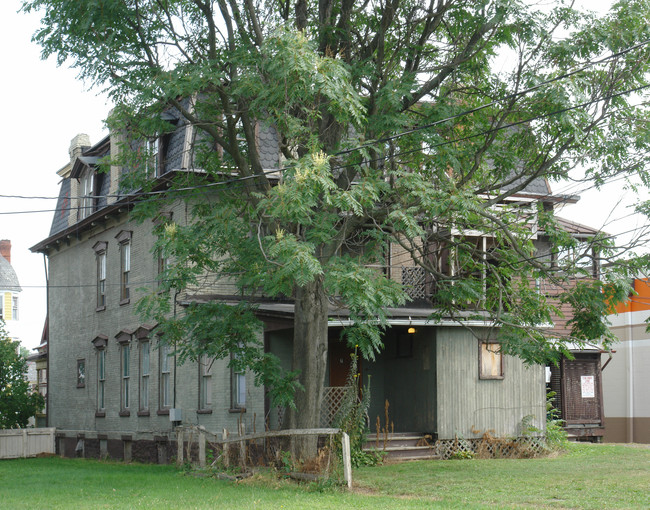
(587, 476)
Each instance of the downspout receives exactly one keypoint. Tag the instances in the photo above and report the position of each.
(47, 334)
(174, 398)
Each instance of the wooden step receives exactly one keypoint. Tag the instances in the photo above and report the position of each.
(403, 446)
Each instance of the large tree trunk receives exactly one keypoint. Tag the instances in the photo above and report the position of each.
(310, 358)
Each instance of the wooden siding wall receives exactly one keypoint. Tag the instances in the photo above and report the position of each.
(469, 406)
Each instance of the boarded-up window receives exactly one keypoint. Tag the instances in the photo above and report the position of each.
(490, 360)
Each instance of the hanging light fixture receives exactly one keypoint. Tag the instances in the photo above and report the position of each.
(411, 329)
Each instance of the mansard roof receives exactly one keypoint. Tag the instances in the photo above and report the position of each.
(8, 277)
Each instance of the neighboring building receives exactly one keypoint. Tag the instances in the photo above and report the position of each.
(577, 384)
(9, 292)
(113, 385)
(626, 380)
(39, 360)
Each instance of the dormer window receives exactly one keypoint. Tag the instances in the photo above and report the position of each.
(153, 163)
(85, 171)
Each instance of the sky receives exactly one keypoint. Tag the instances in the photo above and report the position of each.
(45, 107)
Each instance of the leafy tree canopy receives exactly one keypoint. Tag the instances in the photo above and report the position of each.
(402, 123)
(17, 403)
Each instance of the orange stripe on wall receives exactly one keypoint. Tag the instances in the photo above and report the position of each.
(639, 302)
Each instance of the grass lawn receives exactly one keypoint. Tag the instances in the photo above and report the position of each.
(588, 476)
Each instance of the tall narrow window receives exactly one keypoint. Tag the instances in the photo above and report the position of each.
(237, 387)
(163, 219)
(490, 360)
(153, 157)
(101, 380)
(165, 378)
(144, 376)
(124, 339)
(126, 375)
(205, 383)
(125, 270)
(100, 342)
(86, 193)
(14, 308)
(124, 240)
(100, 255)
(101, 280)
(81, 373)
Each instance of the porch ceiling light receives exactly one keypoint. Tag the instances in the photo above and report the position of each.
(411, 330)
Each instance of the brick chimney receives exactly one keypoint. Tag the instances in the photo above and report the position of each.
(5, 249)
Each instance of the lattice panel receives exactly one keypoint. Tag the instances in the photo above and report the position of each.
(332, 398)
(414, 282)
(492, 447)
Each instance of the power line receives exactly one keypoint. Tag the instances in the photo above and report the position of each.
(413, 130)
(497, 101)
(236, 180)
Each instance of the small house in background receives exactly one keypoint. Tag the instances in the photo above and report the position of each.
(39, 358)
(626, 382)
(9, 291)
(577, 384)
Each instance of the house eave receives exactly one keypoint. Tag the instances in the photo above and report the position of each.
(122, 205)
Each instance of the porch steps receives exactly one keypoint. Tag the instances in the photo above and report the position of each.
(403, 446)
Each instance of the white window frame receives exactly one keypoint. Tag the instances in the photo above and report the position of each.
(237, 388)
(205, 383)
(124, 238)
(86, 194)
(101, 380)
(125, 376)
(100, 255)
(152, 165)
(165, 378)
(145, 373)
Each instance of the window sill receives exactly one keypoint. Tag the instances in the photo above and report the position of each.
(125, 301)
(100, 414)
(143, 413)
(204, 411)
(492, 378)
(100, 308)
(81, 385)
(125, 413)
(162, 412)
(240, 410)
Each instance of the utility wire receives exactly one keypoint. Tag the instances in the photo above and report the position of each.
(229, 183)
(418, 128)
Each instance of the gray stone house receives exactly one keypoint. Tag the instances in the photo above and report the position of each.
(114, 390)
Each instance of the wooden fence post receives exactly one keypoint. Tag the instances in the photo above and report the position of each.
(242, 446)
(226, 461)
(180, 437)
(201, 448)
(347, 463)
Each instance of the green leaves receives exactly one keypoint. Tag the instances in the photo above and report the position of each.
(411, 135)
(17, 402)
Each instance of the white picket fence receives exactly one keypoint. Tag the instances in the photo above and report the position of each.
(16, 443)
